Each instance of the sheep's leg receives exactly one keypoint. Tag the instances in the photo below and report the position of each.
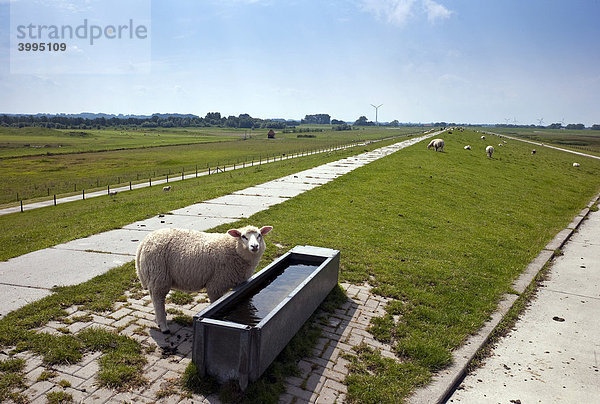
(158, 301)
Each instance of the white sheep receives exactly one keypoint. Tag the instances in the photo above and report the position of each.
(489, 150)
(112, 193)
(190, 260)
(500, 144)
(468, 147)
(575, 164)
(482, 137)
(437, 144)
(533, 151)
(167, 189)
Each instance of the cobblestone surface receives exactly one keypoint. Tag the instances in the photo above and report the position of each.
(321, 378)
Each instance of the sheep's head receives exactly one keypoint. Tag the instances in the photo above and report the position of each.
(250, 238)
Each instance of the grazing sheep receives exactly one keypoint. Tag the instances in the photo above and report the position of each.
(482, 137)
(500, 144)
(437, 144)
(112, 193)
(468, 147)
(489, 150)
(575, 164)
(167, 189)
(190, 260)
(505, 141)
(533, 151)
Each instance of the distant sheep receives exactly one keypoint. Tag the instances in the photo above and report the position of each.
(533, 151)
(489, 150)
(505, 141)
(167, 189)
(190, 260)
(437, 144)
(482, 137)
(112, 193)
(468, 147)
(575, 164)
(500, 144)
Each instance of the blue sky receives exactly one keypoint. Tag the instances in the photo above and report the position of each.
(424, 60)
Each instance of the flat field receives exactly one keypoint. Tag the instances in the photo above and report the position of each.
(132, 156)
(586, 141)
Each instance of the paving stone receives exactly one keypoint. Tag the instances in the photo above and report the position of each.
(88, 371)
(327, 396)
(123, 321)
(314, 382)
(337, 386)
(120, 313)
(298, 392)
(37, 389)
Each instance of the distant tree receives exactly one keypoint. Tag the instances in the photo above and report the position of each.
(575, 126)
(595, 127)
(317, 119)
(555, 126)
(394, 123)
(362, 121)
(337, 122)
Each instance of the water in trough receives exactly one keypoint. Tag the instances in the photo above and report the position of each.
(253, 307)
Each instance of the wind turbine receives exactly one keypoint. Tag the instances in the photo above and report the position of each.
(540, 121)
(507, 120)
(376, 109)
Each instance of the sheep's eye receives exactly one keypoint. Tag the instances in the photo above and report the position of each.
(245, 238)
(259, 236)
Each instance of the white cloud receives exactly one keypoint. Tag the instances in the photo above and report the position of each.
(393, 11)
(399, 12)
(436, 11)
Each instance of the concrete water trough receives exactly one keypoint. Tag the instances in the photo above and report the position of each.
(238, 336)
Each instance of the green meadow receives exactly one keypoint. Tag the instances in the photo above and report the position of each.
(586, 141)
(109, 157)
(442, 234)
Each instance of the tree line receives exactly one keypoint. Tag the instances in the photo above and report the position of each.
(155, 121)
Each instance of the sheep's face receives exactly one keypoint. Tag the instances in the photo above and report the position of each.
(251, 238)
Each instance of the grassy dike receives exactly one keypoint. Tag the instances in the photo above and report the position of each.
(443, 234)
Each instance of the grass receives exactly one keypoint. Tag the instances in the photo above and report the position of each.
(40, 228)
(122, 360)
(46, 175)
(32, 141)
(443, 234)
(12, 378)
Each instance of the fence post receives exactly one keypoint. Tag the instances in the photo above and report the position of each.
(130, 185)
(108, 190)
(196, 170)
(209, 170)
(182, 174)
(21, 206)
(168, 178)
(54, 199)
(150, 180)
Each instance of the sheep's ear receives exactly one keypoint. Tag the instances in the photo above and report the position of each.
(264, 230)
(234, 233)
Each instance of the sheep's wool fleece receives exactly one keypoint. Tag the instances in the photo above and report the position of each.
(187, 260)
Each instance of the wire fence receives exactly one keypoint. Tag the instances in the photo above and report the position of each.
(112, 184)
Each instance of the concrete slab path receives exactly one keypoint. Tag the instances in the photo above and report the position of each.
(31, 276)
(553, 352)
